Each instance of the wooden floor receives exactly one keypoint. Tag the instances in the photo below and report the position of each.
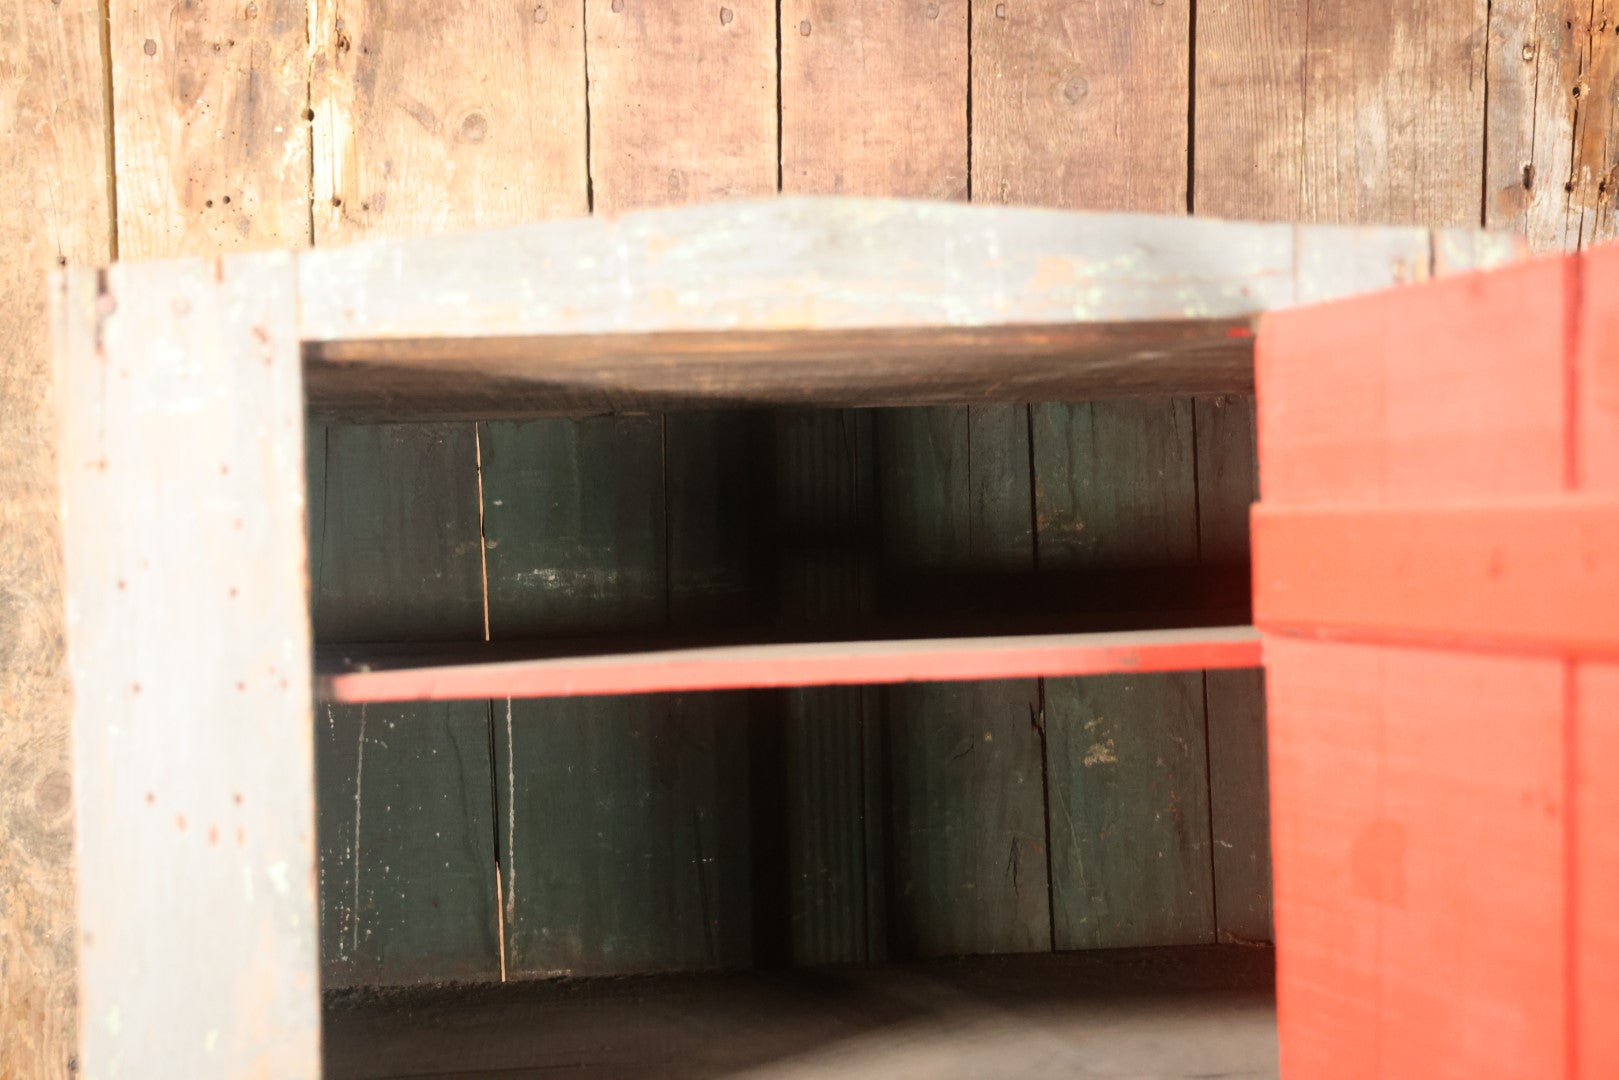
(1171, 1013)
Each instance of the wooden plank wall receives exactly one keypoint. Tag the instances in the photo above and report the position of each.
(136, 132)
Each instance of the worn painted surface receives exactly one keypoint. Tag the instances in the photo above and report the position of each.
(189, 646)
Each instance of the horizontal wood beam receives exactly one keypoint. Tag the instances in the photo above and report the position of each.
(819, 664)
(1530, 575)
(831, 301)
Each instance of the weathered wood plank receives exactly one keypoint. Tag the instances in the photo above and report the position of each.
(432, 117)
(55, 162)
(967, 831)
(189, 829)
(1553, 124)
(874, 98)
(406, 841)
(208, 120)
(873, 102)
(1081, 106)
(682, 102)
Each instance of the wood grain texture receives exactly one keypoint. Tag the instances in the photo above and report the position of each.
(1553, 123)
(196, 836)
(682, 102)
(208, 120)
(874, 98)
(55, 164)
(406, 841)
(1336, 112)
(873, 102)
(431, 117)
(1083, 107)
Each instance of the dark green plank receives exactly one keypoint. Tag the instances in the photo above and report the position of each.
(625, 835)
(1116, 488)
(966, 838)
(1129, 811)
(574, 526)
(824, 494)
(407, 855)
(616, 836)
(1228, 484)
(1227, 477)
(716, 491)
(407, 867)
(968, 841)
(1115, 484)
(1240, 805)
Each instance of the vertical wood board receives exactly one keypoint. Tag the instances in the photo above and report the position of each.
(966, 842)
(193, 749)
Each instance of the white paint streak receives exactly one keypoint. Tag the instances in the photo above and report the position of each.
(511, 818)
(359, 768)
(277, 873)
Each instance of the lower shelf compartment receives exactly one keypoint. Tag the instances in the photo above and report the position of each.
(1183, 1012)
(844, 663)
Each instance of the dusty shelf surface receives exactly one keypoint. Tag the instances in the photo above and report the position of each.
(1200, 1011)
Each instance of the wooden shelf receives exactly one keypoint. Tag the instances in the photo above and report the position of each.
(737, 667)
(824, 301)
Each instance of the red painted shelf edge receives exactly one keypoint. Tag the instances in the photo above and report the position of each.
(740, 667)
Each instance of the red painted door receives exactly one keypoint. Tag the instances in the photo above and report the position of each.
(1436, 573)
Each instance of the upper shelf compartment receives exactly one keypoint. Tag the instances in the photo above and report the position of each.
(825, 301)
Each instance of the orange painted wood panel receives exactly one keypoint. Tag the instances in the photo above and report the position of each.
(1417, 816)
(1449, 390)
(1596, 371)
(1534, 575)
(1596, 876)
(849, 663)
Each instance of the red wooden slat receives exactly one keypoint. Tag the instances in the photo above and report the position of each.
(1596, 372)
(820, 664)
(1538, 575)
(1449, 390)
